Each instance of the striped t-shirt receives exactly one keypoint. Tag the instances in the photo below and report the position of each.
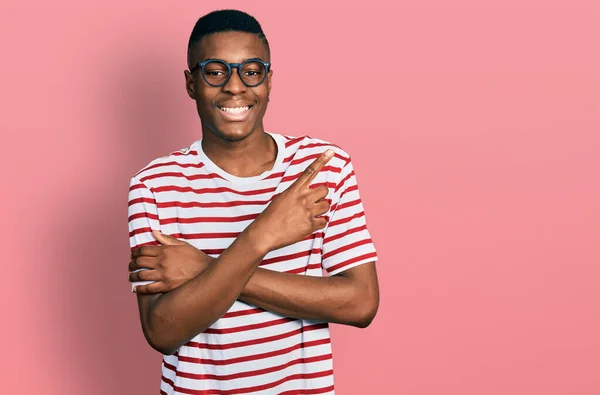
(250, 350)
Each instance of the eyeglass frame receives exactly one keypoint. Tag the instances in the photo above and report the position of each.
(230, 66)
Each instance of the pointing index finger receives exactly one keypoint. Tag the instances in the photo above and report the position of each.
(314, 168)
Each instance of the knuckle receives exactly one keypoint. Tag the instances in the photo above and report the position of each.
(305, 202)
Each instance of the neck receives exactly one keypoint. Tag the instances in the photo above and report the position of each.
(249, 157)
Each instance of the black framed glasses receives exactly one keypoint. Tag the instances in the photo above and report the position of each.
(216, 72)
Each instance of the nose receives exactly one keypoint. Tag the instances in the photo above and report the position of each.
(234, 85)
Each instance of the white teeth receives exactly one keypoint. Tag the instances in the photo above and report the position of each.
(235, 110)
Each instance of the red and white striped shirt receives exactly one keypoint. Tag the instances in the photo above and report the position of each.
(250, 350)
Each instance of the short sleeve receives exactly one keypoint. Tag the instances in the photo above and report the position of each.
(347, 242)
(142, 218)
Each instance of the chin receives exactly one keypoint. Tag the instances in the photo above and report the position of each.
(232, 133)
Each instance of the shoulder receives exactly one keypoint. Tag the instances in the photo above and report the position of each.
(174, 161)
(307, 146)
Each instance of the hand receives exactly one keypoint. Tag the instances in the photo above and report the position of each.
(170, 265)
(295, 213)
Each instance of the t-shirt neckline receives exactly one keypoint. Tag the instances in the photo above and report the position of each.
(243, 180)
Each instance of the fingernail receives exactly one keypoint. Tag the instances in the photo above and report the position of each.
(329, 153)
(134, 289)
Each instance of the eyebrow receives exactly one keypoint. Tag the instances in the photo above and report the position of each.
(243, 60)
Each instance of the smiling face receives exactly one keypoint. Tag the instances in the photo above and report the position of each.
(233, 111)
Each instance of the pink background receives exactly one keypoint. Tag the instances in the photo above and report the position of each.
(475, 130)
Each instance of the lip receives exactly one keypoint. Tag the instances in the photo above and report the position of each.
(235, 117)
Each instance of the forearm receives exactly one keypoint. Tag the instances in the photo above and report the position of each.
(333, 299)
(179, 315)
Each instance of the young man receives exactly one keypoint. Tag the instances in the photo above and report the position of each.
(230, 236)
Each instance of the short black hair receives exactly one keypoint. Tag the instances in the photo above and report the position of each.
(226, 21)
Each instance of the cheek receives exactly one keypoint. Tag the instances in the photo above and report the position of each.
(202, 104)
(204, 101)
(262, 96)
(205, 111)
(203, 93)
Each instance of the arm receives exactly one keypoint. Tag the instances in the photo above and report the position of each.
(171, 319)
(348, 297)
(351, 297)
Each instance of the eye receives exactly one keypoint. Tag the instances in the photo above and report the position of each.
(252, 73)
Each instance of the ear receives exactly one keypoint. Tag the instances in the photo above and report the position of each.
(189, 84)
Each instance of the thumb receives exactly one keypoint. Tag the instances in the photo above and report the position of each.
(166, 239)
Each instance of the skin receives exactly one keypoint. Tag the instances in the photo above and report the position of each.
(192, 290)
(240, 148)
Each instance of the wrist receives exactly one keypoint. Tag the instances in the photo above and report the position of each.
(258, 239)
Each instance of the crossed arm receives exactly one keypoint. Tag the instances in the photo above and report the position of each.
(192, 290)
(350, 298)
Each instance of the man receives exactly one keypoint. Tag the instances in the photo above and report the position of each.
(230, 236)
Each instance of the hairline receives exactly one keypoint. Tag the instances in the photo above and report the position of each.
(193, 46)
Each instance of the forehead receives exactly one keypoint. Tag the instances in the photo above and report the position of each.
(230, 46)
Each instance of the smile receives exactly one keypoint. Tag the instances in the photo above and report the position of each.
(235, 110)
